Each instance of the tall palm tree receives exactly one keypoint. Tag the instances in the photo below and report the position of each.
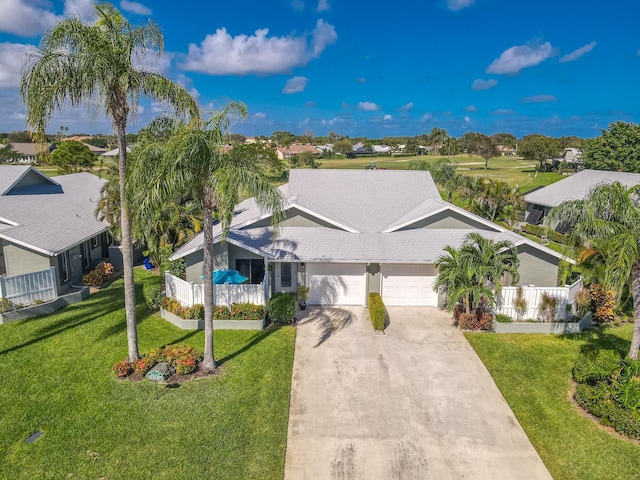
(80, 64)
(192, 163)
(608, 218)
(444, 172)
(476, 270)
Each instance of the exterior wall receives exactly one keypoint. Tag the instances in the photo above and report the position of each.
(294, 218)
(537, 268)
(448, 219)
(195, 262)
(373, 279)
(237, 252)
(19, 260)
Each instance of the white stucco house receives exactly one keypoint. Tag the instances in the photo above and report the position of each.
(351, 232)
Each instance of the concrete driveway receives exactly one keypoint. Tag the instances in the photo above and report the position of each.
(416, 403)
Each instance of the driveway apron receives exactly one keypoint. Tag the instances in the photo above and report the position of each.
(415, 403)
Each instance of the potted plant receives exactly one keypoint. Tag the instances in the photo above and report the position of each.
(303, 294)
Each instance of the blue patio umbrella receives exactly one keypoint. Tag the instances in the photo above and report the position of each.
(224, 275)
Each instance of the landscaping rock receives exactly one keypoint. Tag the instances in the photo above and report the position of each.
(162, 368)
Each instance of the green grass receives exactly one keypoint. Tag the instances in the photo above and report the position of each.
(533, 372)
(513, 170)
(55, 376)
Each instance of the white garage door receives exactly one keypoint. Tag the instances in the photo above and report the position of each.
(409, 285)
(336, 283)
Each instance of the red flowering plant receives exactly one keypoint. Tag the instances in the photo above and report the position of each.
(122, 369)
(145, 364)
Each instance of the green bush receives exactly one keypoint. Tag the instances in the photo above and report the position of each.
(502, 318)
(541, 231)
(152, 292)
(282, 308)
(195, 312)
(592, 369)
(377, 311)
(221, 312)
(6, 305)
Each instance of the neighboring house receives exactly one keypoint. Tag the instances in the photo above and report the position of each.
(575, 187)
(351, 232)
(115, 152)
(50, 223)
(28, 152)
(295, 149)
(506, 151)
(571, 155)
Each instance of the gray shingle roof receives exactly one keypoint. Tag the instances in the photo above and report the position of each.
(578, 185)
(53, 223)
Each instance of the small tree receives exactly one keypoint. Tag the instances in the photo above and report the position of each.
(72, 157)
(549, 306)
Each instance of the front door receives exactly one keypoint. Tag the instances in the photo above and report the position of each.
(286, 277)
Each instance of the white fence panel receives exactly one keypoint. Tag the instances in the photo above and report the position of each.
(533, 295)
(189, 293)
(25, 289)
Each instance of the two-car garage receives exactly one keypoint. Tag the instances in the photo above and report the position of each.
(346, 284)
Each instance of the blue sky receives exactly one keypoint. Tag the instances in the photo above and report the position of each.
(375, 69)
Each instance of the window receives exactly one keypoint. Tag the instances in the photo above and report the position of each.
(95, 242)
(86, 255)
(252, 268)
(285, 274)
(63, 264)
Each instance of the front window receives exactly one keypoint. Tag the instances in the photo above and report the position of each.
(285, 274)
(252, 268)
(64, 265)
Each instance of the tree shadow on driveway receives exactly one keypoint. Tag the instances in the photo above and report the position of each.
(329, 320)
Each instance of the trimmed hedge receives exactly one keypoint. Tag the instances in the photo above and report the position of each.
(152, 292)
(377, 311)
(282, 307)
(541, 231)
(608, 388)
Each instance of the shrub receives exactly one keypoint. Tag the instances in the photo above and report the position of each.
(172, 306)
(602, 303)
(38, 301)
(377, 311)
(99, 275)
(282, 308)
(195, 312)
(594, 368)
(221, 312)
(475, 321)
(457, 311)
(186, 365)
(520, 303)
(502, 318)
(6, 305)
(541, 231)
(246, 311)
(122, 369)
(583, 301)
(152, 292)
(145, 364)
(549, 306)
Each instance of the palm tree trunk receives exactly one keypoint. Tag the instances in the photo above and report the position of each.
(635, 293)
(208, 362)
(127, 250)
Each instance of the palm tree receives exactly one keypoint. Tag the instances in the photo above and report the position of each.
(497, 201)
(192, 163)
(437, 137)
(476, 270)
(444, 173)
(608, 219)
(80, 64)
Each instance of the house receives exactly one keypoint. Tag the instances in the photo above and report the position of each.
(571, 155)
(296, 149)
(575, 187)
(28, 152)
(50, 223)
(506, 151)
(350, 232)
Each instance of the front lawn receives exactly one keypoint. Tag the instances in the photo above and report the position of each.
(55, 376)
(533, 373)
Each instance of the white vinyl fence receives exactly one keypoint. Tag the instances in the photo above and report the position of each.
(189, 293)
(27, 288)
(533, 294)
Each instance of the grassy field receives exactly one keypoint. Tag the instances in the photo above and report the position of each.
(513, 170)
(55, 376)
(533, 373)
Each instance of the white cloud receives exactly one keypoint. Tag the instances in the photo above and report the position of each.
(187, 83)
(503, 111)
(470, 108)
(79, 8)
(21, 18)
(259, 115)
(135, 7)
(406, 107)
(539, 99)
(331, 122)
(323, 5)
(361, 80)
(387, 117)
(426, 117)
(456, 5)
(310, 104)
(467, 119)
(297, 5)
(514, 59)
(368, 106)
(577, 53)
(222, 54)
(480, 84)
(152, 62)
(295, 85)
(11, 58)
